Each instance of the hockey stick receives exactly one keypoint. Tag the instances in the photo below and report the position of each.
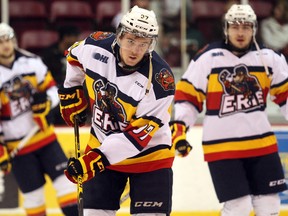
(124, 198)
(21, 145)
(126, 193)
(79, 177)
(24, 141)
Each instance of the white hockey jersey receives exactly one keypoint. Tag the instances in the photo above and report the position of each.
(129, 126)
(27, 75)
(235, 90)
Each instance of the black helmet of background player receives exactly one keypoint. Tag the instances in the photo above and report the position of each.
(240, 13)
(141, 23)
(6, 32)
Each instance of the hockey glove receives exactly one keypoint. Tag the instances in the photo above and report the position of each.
(178, 130)
(5, 164)
(87, 166)
(73, 102)
(41, 107)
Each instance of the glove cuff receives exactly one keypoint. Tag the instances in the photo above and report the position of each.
(63, 90)
(105, 160)
(94, 160)
(171, 123)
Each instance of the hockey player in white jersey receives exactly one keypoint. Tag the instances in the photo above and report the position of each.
(234, 77)
(130, 90)
(27, 93)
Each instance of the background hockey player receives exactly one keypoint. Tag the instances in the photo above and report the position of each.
(234, 77)
(130, 90)
(27, 93)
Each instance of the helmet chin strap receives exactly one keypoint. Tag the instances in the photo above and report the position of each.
(238, 13)
(150, 74)
(126, 68)
(261, 57)
(130, 69)
(244, 50)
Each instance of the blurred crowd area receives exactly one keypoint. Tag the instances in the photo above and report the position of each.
(201, 24)
(48, 27)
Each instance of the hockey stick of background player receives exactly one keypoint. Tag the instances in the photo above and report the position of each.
(124, 198)
(126, 193)
(24, 141)
(79, 177)
(20, 146)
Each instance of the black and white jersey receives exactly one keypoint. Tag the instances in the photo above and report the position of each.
(129, 125)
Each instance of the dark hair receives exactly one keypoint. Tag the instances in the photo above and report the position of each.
(68, 30)
(283, 4)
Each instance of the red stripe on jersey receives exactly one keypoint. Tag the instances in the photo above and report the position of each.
(75, 63)
(38, 145)
(143, 167)
(180, 96)
(68, 203)
(265, 93)
(240, 154)
(6, 111)
(213, 100)
(281, 98)
(51, 84)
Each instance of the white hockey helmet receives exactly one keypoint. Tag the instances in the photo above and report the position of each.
(140, 22)
(6, 31)
(240, 13)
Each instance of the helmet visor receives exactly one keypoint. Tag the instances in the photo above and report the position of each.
(147, 45)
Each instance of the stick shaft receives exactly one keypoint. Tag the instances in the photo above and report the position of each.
(22, 143)
(79, 178)
(124, 198)
(126, 193)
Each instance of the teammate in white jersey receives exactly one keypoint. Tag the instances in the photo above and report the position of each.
(27, 93)
(234, 77)
(130, 90)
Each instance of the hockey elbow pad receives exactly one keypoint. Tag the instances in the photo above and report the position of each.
(72, 103)
(179, 142)
(87, 166)
(41, 107)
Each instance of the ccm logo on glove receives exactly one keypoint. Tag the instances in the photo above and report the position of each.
(72, 103)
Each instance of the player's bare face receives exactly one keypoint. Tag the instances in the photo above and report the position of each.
(240, 34)
(133, 48)
(6, 49)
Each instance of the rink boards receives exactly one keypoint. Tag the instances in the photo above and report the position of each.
(193, 192)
